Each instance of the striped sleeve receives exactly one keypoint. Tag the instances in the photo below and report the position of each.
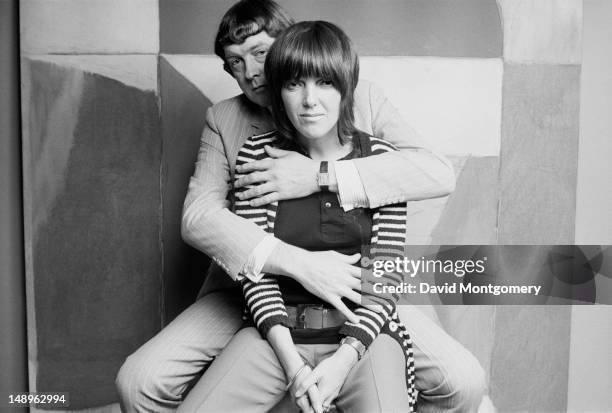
(388, 240)
(265, 303)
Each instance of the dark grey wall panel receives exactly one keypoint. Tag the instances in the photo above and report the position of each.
(13, 349)
(470, 217)
(183, 111)
(539, 154)
(93, 207)
(466, 28)
(530, 358)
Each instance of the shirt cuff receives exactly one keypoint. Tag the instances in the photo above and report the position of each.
(351, 192)
(254, 264)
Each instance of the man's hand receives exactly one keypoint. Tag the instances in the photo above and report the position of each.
(285, 175)
(330, 276)
(328, 376)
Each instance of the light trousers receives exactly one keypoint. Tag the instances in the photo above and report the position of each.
(247, 377)
(157, 377)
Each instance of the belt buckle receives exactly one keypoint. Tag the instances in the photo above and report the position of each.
(301, 314)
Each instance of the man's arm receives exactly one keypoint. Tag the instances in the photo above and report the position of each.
(207, 223)
(415, 172)
(230, 240)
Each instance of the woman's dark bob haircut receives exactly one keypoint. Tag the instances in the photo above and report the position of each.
(248, 18)
(313, 49)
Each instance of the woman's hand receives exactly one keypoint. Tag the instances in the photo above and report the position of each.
(329, 375)
(311, 401)
(280, 339)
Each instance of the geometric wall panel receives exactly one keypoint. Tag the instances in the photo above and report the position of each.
(92, 26)
(590, 380)
(470, 216)
(138, 71)
(206, 74)
(449, 28)
(446, 28)
(183, 109)
(542, 31)
(91, 213)
(594, 194)
(530, 358)
(539, 154)
(455, 104)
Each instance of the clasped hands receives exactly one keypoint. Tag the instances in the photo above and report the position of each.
(314, 390)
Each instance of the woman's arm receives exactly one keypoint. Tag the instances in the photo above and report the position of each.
(329, 375)
(280, 340)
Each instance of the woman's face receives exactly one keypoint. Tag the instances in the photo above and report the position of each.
(313, 106)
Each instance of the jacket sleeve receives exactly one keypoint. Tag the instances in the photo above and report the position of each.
(415, 172)
(207, 223)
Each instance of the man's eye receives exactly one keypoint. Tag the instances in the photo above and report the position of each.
(326, 82)
(233, 62)
(260, 55)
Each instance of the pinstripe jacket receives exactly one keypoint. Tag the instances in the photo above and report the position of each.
(414, 172)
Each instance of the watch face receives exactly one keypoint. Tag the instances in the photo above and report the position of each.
(323, 179)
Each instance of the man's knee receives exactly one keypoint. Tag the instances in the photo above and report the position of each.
(466, 383)
(141, 385)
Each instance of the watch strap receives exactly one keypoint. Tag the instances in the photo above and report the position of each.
(356, 344)
(323, 176)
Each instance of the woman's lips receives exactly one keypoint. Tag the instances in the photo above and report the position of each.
(311, 116)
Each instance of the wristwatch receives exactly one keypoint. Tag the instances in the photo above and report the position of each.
(356, 344)
(323, 177)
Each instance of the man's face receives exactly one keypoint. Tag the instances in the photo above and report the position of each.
(246, 62)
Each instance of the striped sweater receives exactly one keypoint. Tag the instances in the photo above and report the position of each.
(264, 299)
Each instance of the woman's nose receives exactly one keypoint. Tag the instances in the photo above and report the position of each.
(309, 98)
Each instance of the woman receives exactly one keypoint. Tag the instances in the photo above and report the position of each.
(312, 71)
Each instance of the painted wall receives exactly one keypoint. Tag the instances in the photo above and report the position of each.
(92, 195)
(113, 109)
(13, 354)
(590, 352)
(594, 196)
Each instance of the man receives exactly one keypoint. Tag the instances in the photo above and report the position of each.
(158, 375)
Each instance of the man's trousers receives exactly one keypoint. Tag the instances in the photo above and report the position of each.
(157, 377)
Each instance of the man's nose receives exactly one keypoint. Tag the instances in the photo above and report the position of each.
(252, 68)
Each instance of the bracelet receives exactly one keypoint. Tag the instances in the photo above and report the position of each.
(295, 376)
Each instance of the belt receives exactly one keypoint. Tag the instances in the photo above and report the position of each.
(314, 316)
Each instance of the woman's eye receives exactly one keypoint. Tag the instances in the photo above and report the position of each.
(326, 82)
(291, 85)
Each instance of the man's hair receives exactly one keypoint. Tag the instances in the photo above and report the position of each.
(247, 18)
(313, 49)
